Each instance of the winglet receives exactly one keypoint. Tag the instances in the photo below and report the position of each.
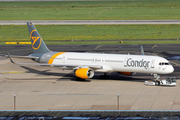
(142, 51)
(10, 58)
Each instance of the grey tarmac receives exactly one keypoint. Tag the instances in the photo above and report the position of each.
(48, 88)
(87, 22)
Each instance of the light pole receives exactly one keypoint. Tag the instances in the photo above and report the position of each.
(14, 101)
(118, 101)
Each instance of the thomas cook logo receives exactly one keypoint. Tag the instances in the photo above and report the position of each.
(35, 39)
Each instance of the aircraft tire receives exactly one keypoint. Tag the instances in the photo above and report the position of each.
(157, 83)
(104, 76)
(107, 76)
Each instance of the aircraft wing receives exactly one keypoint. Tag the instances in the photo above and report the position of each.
(63, 65)
(58, 65)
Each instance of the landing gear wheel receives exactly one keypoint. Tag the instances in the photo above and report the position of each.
(157, 83)
(105, 76)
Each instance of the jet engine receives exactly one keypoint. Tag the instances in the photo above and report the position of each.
(128, 73)
(84, 73)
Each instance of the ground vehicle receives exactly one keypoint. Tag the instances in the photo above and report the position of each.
(170, 81)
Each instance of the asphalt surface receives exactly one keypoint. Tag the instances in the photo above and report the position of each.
(87, 22)
(164, 50)
(50, 88)
(170, 51)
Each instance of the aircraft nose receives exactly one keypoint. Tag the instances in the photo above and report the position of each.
(171, 69)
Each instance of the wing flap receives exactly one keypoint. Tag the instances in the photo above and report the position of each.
(78, 66)
(61, 65)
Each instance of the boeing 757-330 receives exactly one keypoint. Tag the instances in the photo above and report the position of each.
(85, 65)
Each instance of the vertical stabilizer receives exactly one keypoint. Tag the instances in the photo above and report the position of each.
(37, 42)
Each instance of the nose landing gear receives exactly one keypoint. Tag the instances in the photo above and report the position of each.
(156, 76)
(157, 79)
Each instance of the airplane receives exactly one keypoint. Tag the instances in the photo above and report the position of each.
(84, 65)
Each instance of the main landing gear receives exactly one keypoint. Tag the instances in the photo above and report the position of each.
(105, 76)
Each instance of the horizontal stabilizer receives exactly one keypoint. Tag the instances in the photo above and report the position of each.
(23, 57)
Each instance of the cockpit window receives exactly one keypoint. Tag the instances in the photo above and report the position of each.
(163, 63)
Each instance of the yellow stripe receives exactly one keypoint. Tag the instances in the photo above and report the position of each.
(11, 42)
(24, 42)
(54, 56)
(153, 46)
(10, 72)
(18, 42)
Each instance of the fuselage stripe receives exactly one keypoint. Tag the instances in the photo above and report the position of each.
(54, 57)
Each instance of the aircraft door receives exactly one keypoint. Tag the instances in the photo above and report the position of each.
(94, 60)
(43, 58)
(47, 57)
(125, 62)
(152, 63)
(63, 59)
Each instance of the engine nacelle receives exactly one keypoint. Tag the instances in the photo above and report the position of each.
(84, 73)
(128, 73)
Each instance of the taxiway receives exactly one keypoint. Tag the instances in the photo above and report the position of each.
(47, 88)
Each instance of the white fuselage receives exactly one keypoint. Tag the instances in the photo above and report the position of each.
(115, 62)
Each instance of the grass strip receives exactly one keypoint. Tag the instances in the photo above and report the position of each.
(110, 42)
(15, 33)
(91, 10)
